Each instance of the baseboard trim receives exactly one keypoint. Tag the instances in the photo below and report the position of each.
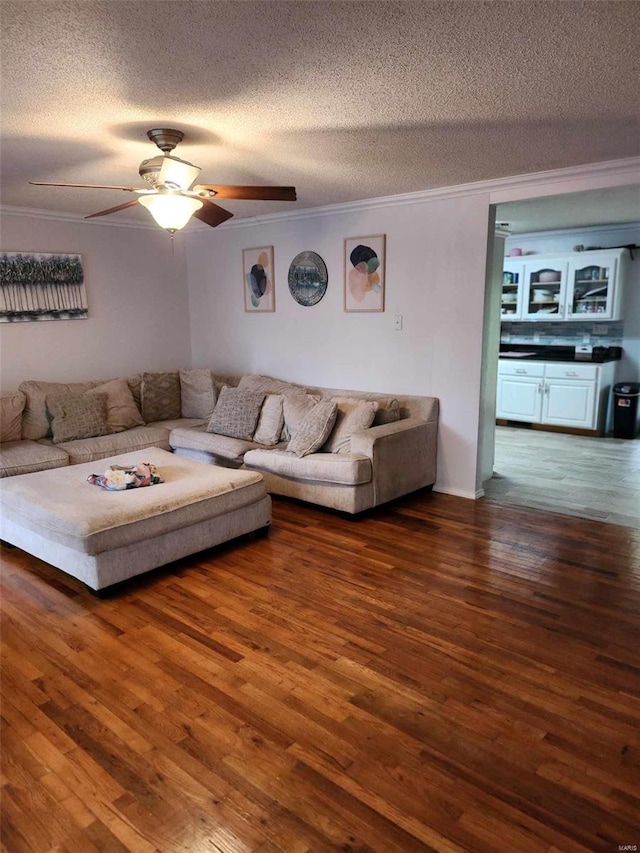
(460, 493)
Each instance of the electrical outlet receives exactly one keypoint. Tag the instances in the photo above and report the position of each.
(586, 339)
(536, 338)
(397, 323)
(600, 330)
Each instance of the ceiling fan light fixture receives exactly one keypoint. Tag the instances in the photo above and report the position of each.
(170, 210)
(177, 174)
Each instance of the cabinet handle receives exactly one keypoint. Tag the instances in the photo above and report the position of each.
(521, 371)
(571, 373)
(546, 387)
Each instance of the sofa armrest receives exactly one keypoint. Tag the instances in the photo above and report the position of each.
(403, 456)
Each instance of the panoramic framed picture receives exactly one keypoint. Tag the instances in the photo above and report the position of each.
(258, 279)
(364, 273)
(37, 286)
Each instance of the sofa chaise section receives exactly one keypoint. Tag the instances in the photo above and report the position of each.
(383, 462)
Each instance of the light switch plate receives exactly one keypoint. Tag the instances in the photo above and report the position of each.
(397, 323)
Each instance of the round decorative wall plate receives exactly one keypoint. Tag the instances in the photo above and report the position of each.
(308, 278)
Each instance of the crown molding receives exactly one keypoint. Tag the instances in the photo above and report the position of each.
(609, 173)
(631, 227)
(590, 176)
(77, 218)
(556, 181)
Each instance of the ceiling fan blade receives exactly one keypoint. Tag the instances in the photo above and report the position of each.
(257, 193)
(82, 186)
(113, 209)
(212, 214)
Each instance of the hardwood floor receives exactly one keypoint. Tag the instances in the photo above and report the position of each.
(597, 478)
(442, 675)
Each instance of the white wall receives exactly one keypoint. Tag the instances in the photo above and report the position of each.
(603, 238)
(435, 278)
(136, 293)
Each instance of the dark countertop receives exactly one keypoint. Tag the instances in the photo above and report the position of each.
(538, 352)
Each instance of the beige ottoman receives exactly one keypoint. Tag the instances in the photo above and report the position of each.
(103, 537)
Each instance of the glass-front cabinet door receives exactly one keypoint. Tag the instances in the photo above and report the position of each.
(591, 289)
(512, 289)
(544, 290)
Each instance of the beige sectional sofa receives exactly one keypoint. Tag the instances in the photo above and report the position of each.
(351, 472)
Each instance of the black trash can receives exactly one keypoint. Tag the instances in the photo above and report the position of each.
(626, 396)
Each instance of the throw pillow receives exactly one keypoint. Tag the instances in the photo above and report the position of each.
(197, 392)
(295, 407)
(353, 415)
(74, 417)
(236, 413)
(388, 411)
(315, 428)
(135, 386)
(36, 422)
(122, 412)
(11, 408)
(160, 396)
(271, 421)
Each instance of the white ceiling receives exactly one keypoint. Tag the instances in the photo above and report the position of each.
(344, 100)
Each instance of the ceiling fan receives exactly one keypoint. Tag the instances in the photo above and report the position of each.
(170, 197)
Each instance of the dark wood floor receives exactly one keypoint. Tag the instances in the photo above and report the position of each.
(443, 675)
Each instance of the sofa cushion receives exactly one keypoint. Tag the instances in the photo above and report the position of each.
(160, 396)
(25, 457)
(315, 428)
(236, 413)
(11, 408)
(271, 421)
(255, 382)
(179, 422)
(122, 412)
(99, 447)
(209, 442)
(77, 416)
(353, 416)
(35, 418)
(344, 469)
(197, 392)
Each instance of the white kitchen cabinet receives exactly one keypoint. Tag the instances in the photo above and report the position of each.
(559, 394)
(579, 286)
(569, 395)
(520, 391)
(512, 290)
(594, 289)
(545, 282)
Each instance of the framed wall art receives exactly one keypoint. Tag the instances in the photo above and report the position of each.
(308, 278)
(258, 279)
(37, 286)
(364, 273)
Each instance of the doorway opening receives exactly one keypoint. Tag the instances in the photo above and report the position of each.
(592, 477)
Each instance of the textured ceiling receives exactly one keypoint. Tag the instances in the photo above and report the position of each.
(344, 100)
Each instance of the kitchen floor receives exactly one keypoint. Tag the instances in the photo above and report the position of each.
(596, 478)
